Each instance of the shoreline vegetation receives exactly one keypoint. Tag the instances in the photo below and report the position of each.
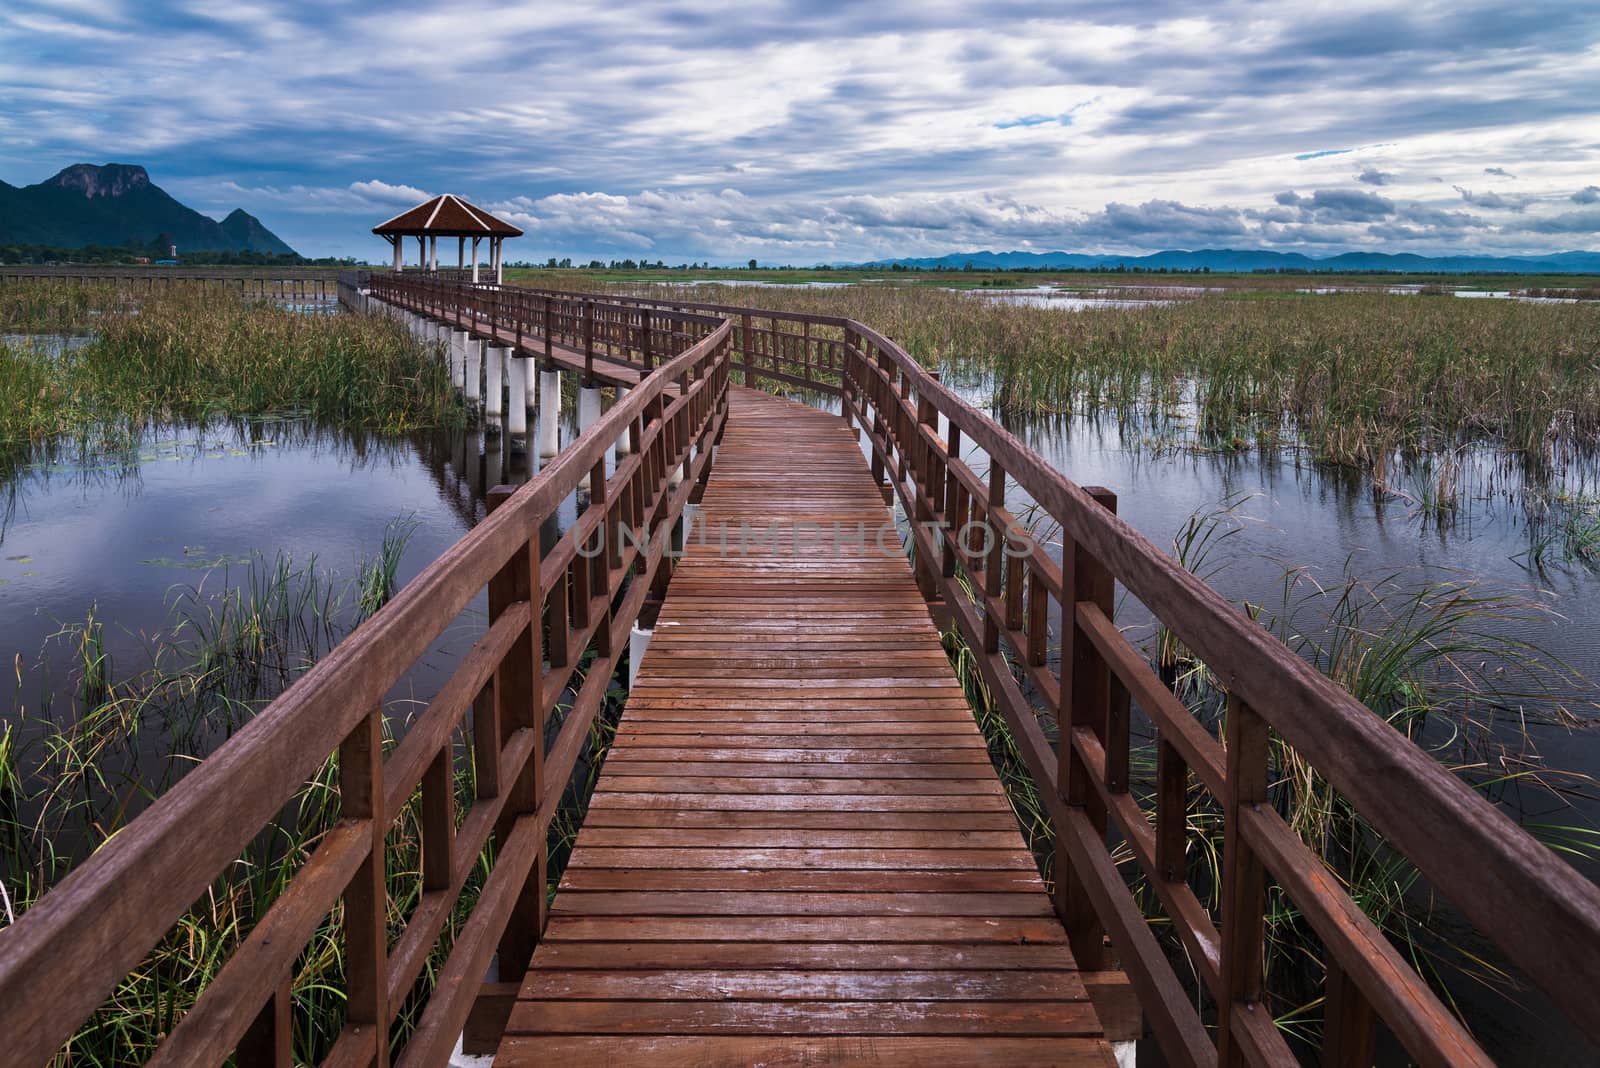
(180, 354)
(1443, 405)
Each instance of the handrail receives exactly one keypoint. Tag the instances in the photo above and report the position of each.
(1542, 913)
(66, 954)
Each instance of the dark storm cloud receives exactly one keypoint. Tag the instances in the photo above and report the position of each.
(825, 127)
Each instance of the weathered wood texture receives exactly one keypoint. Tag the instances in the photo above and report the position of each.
(798, 851)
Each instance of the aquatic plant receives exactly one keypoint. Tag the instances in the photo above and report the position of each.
(186, 355)
(98, 747)
(1435, 660)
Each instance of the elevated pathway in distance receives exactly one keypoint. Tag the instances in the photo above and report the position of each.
(798, 851)
(610, 370)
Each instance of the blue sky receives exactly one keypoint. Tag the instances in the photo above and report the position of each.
(833, 131)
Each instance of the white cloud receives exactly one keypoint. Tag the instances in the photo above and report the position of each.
(786, 129)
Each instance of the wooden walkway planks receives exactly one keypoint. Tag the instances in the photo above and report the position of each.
(798, 852)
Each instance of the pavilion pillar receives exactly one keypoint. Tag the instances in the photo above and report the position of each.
(475, 260)
(433, 252)
(461, 253)
(422, 253)
(397, 242)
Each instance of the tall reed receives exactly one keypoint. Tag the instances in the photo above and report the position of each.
(182, 354)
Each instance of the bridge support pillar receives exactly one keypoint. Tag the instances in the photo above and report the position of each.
(472, 353)
(517, 417)
(458, 360)
(588, 416)
(493, 374)
(625, 442)
(638, 642)
(549, 413)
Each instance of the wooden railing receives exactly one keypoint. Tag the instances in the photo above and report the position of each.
(1027, 608)
(794, 348)
(1538, 910)
(548, 611)
(535, 321)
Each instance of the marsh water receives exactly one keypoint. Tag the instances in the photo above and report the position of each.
(121, 532)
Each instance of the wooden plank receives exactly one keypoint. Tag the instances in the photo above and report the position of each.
(773, 1052)
(798, 832)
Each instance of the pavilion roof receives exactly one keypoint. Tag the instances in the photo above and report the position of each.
(447, 215)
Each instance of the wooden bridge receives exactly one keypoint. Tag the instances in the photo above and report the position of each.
(798, 851)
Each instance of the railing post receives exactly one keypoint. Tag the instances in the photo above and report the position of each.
(518, 694)
(1243, 878)
(645, 356)
(746, 349)
(928, 482)
(954, 507)
(588, 343)
(366, 937)
(270, 1041)
(994, 557)
(1085, 698)
(547, 338)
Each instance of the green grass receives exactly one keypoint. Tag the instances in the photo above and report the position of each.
(181, 354)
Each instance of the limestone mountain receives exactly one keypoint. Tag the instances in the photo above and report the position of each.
(116, 204)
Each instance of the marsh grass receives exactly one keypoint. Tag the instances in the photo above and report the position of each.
(106, 738)
(1433, 660)
(1377, 382)
(183, 355)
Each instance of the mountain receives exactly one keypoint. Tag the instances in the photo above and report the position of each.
(1228, 259)
(115, 204)
(250, 234)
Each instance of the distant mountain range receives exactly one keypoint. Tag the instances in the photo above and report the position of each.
(1227, 259)
(115, 204)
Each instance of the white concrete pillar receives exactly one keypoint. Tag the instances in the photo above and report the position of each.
(638, 642)
(532, 396)
(518, 415)
(472, 367)
(625, 442)
(433, 252)
(397, 256)
(588, 416)
(458, 360)
(549, 413)
(493, 374)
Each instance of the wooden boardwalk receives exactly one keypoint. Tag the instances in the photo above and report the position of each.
(798, 852)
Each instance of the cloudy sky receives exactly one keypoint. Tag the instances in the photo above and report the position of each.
(836, 131)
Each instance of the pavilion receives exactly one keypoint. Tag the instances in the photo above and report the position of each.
(447, 216)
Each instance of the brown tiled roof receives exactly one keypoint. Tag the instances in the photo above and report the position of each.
(447, 215)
